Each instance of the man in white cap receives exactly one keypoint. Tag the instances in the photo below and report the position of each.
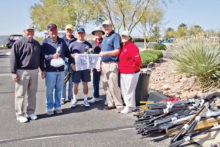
(26, 58)
(111, 47)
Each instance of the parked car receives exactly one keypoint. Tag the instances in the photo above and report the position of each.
(12, 38)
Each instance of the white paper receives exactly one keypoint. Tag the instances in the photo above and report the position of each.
(87, 61)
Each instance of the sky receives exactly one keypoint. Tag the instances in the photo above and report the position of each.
(15, 14)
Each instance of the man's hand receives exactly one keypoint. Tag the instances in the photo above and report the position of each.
(74, 67)
(102, 54)
(15, 77)
(55, 56)
(74, 55)
(43, 75)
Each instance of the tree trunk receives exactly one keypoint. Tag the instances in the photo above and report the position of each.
(145, 41)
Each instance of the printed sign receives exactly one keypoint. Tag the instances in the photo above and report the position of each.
(87, 61)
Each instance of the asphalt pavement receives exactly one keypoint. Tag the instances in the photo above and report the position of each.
(79, 127)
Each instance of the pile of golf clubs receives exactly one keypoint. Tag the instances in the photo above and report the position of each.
(180, 119)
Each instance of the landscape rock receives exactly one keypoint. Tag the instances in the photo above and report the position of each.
(166, 80)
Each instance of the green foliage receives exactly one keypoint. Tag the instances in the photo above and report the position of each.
(159, 46)
(170, 33)
(182, 31)
(148, 56)
(76, 12)
(199, 58)
(138, 39)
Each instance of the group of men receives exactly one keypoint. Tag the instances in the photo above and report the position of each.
(55, 57)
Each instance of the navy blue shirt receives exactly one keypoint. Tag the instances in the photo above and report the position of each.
(79, 47)
(111, 42)
(68, 44)
(49, 47)
(26, 55)
(69, 41)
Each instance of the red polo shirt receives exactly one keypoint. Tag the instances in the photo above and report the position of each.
(129, 59)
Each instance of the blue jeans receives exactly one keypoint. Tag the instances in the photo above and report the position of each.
(96, 80)
(70, 84)
(53, 80)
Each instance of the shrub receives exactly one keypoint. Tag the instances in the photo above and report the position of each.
(148, 56)
(159, 46)
(199, 58)
(138, 39)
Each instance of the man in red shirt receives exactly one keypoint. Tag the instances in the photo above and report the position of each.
(129, 66)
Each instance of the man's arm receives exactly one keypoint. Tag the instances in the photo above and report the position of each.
(13, 62)
(47, 55)
(111, 53)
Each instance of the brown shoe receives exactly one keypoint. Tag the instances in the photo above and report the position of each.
(109, 108)
(120, 109)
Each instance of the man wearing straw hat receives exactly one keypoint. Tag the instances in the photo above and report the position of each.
(96, 46)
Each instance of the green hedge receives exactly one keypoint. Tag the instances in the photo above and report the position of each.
(148, 56)
(159, 46)
(139, 39)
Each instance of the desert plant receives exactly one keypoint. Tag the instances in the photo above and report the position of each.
(199, 58)
(159, 46)
(148, 56)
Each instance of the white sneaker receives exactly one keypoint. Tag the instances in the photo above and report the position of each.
(32, 116)
(93, 100)
(62, 101)
(22, 119)
(126, 110)
(86, 104)
(58, 110)
(50, 112)
(73, 103)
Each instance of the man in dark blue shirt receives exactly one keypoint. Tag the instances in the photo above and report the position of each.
(80, 46)
(68, 38)
(111, 46)
(55, 50)
(26, 57)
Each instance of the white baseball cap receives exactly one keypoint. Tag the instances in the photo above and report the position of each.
(125, 33)
(107, 22)
(29, 27)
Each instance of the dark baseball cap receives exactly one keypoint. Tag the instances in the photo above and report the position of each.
(50, 26)
(82, 30)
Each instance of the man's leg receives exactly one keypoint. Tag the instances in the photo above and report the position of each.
(58, 89)
(96, 80)
(20, 91)
(63, 97)
(32, 90)
(70, 88)
(132, 81)
(113, 86)
(105, 77)
(123, 81)
(50, 81)
(86, 77)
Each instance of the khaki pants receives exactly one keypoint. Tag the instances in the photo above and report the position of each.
(128, 87)
(110, 84)
(26, 86)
